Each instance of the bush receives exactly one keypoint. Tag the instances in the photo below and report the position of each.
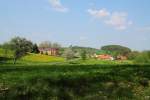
(46, 53)
(133, 55)
(144, 82)
(83, 55)
(143, 57)
(35, 49)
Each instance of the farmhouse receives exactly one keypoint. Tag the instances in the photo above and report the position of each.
(49, 51)
(105, 57)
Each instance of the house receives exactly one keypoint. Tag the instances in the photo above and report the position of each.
(49, 51)
(103, 57)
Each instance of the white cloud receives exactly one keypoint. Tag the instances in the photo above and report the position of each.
(98, 13)
(118, 20)
(57, 5)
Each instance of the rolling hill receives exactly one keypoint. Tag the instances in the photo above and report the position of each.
(41, 58)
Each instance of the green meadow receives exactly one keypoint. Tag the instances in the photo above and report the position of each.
(74, 82)
(39, 59)
(43, 77)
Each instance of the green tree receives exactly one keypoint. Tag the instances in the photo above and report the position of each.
(89, 51)
(35, 49)
(132, 55)
(117, 50)
(20, 47)
(83, 55)
(5, 46)
(143, 57)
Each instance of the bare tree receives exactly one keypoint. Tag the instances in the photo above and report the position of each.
(45, 44)
(48, 44)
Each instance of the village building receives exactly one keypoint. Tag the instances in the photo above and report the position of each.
(49, 51)
(105, 57)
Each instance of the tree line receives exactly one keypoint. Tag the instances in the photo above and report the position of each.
(135, 56)
(21, 46)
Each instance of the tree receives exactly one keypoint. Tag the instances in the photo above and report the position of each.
(83, 55)
(132, 55)
(89, 51)
(45, 44)
(56, 45)
(69, 54)
(20, 47)
(35, 49)
(117, 50)
(143, 57)
(48, 44)
(5, 46)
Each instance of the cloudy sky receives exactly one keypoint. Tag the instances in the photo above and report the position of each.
(91, 23)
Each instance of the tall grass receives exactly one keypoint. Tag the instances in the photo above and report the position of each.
(74, 82)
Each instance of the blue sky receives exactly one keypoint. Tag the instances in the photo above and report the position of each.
(91, 23)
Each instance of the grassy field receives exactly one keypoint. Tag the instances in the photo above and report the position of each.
(103, 62)
(38, 58)
(75, 82)
(30, 58)
(43, 77)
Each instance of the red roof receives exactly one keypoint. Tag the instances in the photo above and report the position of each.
(104, 56)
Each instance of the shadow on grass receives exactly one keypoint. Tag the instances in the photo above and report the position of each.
(3, 60)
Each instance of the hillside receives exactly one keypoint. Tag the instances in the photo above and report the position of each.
(41, 58)
(30, 57)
